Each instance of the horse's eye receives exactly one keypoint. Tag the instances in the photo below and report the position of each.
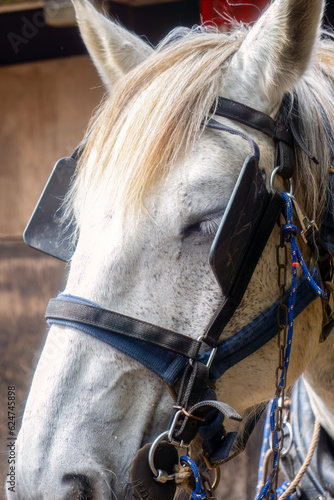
(206, 226)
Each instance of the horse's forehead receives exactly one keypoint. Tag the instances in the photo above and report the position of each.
(208, 174)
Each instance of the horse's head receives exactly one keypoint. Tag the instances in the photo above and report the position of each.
(152, 186)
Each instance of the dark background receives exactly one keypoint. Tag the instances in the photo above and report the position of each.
(153, 21)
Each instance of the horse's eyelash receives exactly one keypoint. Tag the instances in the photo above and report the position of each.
(207, 226)
(210, 226)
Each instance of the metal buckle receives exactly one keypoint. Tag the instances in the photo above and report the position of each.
(306, 225)
(171, 430)
(211, 357)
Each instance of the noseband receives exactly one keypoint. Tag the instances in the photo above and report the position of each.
(189, 366)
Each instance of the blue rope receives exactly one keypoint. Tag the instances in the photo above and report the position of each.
(198, 493)
(289, 234)
(281, 489)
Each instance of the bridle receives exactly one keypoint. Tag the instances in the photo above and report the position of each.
(249, 219)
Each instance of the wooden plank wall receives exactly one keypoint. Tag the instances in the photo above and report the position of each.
(44, 109)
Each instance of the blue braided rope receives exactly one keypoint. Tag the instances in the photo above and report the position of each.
(198, 493)
(289, 233)
(282, 489)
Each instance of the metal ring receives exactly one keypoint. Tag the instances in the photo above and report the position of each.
(216, 480)
(288, 433)
(272, 179)
(158, 475)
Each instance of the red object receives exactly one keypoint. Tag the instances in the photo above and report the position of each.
(246, 11)
(295, 264)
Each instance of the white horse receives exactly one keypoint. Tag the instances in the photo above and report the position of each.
(150, 192)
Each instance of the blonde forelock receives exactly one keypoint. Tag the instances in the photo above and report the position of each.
(155, 113)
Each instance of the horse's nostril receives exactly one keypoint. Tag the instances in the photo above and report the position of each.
(79, 487)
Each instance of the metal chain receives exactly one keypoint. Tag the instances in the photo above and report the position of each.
(280, 374)
(285, 320)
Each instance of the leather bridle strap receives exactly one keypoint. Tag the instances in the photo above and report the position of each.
(110, 321)
(253, 118)
(279, 130)
(284, 131)
(166, 364)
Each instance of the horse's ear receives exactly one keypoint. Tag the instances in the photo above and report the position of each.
(280, 46)
(114, 50)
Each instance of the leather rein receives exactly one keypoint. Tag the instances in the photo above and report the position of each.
(179, 360)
